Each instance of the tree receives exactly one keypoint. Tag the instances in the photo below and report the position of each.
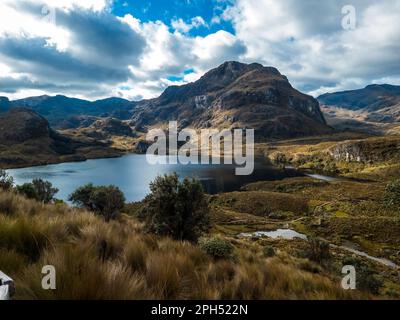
(6, 181)
(39, 190)
(107, 201)
(44, 189)
(177, 209)
(81, 197)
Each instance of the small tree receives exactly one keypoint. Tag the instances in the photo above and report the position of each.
(318, 250)
(177, 209)
(107, 201)
(39, 190)
(81, 197)
(6, 181)
(44, 189)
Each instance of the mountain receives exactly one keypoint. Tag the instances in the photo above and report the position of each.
(237, 95)
(374, 109)
(4, 104)
(24, 133)
(373, 97)
(58, 109)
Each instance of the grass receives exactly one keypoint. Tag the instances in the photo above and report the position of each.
(117, 260)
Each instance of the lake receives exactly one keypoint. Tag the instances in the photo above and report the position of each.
(132, 174)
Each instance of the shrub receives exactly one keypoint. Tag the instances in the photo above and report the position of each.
(392, 193)
(106, 201)
(269, 251)
(366, 278)
(6, 181)
(27, 190)
(39, 190)
(318, 250)
(217, 247)
(176, 209)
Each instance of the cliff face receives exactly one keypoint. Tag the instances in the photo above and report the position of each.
(237, 95)
(370, 150)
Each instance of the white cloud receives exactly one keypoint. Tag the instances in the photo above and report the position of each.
(90, 52)
(305, 40)
(183, 27)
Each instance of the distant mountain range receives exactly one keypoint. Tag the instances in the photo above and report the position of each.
(58, 110)
(375, 109)
(233, 95)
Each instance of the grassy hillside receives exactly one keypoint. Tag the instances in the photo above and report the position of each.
(117, 260)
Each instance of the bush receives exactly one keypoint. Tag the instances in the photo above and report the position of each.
(318, 250)
(269, 251)
(176, 209)
(6, 181)
(106, 201)
(366, 278)
(392, 193)
(217, 247)
(39, 190)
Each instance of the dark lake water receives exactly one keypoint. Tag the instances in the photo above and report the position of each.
(132, 173)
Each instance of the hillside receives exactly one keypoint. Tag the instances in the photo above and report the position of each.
(24, 133)
(237, 95)
(374, 109)
(59, 109)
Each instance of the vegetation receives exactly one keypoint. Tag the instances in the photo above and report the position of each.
(366, 277)
(176, 208)
(392, 193)
(39, 190)
(106, 201)
(217, 248)
(318, 250)
(6, 181)
(96, 259)
(269, 251)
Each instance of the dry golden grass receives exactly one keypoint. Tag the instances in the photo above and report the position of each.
(116, 260)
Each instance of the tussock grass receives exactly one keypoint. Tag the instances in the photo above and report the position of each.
(117, 260)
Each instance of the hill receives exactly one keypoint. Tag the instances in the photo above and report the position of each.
(374, 109)
(237, 95)
(24, 133)
(59, 109)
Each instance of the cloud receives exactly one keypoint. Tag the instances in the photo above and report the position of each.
(183, 27)
(80, 48)
(306, 41)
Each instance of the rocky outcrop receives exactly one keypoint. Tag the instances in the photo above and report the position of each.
(369, 150)
(113, 127)
(237, 95)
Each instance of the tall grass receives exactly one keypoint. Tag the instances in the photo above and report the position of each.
(117, 260)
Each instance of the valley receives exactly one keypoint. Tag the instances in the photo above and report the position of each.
(343, 220)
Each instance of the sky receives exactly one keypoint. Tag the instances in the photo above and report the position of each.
(134, 49)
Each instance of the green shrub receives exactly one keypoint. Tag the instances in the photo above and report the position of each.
(176, 209)
(39, 190)
(106, 201)
(269, 251)
(392, 193)
(217, 247)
